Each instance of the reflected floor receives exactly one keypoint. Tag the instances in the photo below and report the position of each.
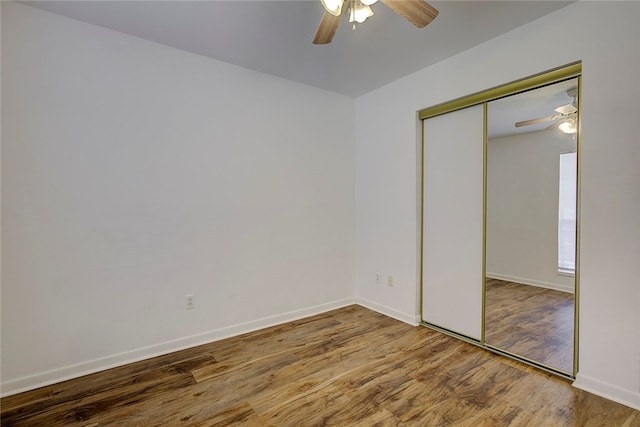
(529, 321)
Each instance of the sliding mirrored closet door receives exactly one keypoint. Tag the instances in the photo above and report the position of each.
(531, 224)
(500, 191)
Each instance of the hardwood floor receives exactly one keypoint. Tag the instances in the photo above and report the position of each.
(529, 321)
(347, 367)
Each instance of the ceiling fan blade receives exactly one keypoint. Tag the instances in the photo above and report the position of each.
(554, 125)
(418, 12)
(534, 121)
(327, 28)
(566, 109)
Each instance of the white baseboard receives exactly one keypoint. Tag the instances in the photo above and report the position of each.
(608, 391)
(413, 320)
(53, 376)
(531, 282)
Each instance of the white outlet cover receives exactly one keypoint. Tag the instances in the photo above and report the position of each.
(189, 302)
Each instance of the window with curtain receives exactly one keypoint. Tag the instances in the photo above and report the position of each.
(567, 213)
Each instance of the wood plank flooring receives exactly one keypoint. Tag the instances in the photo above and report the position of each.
(347, 367)
(530, 321)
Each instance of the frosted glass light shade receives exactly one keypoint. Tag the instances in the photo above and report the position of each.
(368, 2)
(567, 127)
(334, 7)
(359, 12)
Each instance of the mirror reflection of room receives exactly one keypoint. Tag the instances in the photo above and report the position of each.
(531, 224)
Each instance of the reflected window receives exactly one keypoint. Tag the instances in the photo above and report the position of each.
(567, 213)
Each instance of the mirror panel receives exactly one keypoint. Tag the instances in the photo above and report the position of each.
(531, 224)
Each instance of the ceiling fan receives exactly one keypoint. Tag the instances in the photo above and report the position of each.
(566, 116)
(418, 12)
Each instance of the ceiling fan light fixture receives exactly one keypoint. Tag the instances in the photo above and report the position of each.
(417, 12)
(334, 7)
(359, 12)
(568, 127)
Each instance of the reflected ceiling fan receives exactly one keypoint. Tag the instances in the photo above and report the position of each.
(565, 119)
(418, 12)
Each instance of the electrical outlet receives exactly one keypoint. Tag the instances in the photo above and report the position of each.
(189, 302)
(377, 277)
(390, 281)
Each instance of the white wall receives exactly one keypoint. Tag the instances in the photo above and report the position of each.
(134, 173)
(605, 36)
(522, 208)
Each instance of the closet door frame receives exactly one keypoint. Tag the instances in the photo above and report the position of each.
(483, 98)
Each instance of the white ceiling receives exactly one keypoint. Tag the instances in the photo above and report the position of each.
(274, 37)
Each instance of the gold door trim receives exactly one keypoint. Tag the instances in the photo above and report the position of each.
(542, 79)
(535, 81)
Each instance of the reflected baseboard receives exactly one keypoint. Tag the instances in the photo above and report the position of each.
(530, 282)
